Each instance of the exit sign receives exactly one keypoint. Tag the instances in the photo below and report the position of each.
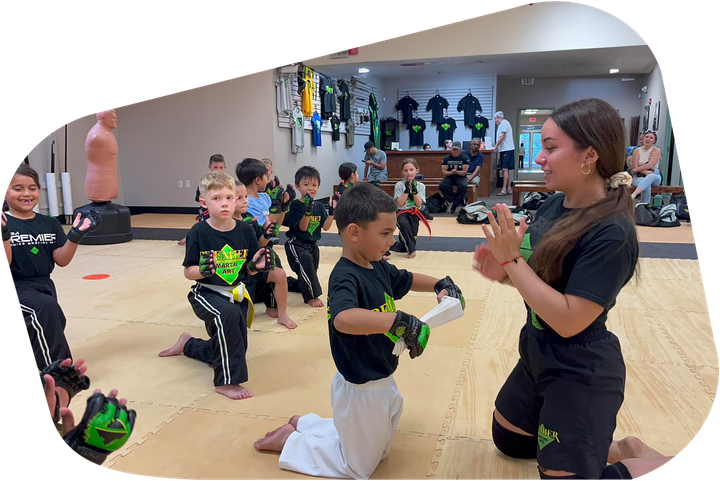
(527, 81)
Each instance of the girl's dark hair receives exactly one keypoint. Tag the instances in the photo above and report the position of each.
(250, 169)
(362, 205)
(307, 172)
(589, 123)
(28, 171)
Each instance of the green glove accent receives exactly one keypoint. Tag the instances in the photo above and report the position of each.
(415, 333)
(309, 203)
(452, 289)
(414, 188)
(207, 264)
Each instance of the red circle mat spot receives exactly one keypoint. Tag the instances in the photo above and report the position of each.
(96, 277)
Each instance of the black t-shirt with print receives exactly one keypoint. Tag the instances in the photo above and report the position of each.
(33, 242)
(328, 96)
(406, 105)
(469, 105)
(335, 124)
(479, 127)
(445, 130)
(457, 163)
(344, 100)
(417, 128)
(437, 104)
(296, 214)
(596, 268)
(231, 249)
(367, 357)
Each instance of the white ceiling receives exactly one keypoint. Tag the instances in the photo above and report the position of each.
(566, 63)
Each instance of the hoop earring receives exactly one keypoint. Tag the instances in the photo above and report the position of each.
(581, 169)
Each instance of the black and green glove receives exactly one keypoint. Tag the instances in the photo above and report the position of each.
(415, 332)
(266, 254)
(413, 188)
(408, 187)
(276, 199)
(309, 203)
(271, 231)
(452, 289)
(285, 206)
(5, 232)
(104, 428)
(207, 264)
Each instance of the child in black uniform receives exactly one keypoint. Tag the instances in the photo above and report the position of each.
(305, 219)
(216, 162)
(270, 287)
(348, 177)
(363, 324)
(220, 255)
(560, 403)
(34, 243)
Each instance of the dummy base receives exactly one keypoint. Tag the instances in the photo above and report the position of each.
(115, 227)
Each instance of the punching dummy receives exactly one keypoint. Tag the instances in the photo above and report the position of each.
(101, 183)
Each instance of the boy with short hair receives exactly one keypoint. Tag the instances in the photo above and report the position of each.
(271, 287)
(348, 177)
(410, 196)
(363, 326)
(305, 218)
(216, 162)
(279, 196)
(221, 254)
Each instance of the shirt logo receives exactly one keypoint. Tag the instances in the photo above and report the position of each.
(17, 239)
(313, 224)
(479, 126)
(416, 128)
(228, 263)
(546, 436)
(445, 126)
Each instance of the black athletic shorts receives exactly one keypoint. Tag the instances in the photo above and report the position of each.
(507, 160)
(566, 392)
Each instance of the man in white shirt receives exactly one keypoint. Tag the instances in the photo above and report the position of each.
(505, 145)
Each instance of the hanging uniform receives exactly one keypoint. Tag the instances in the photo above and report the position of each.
(222, 301)
(406, 105)
(366, 402)
(437, 104)
(33, 242)
(316, 129)
(374, 120)
(298, 132)
(344, 100)
(283, 94)
(349, 133)
(335, 124)
(445, 130)
(470, 105)
(328, 96)
(479, 127)
(417, 131)
(307, 93)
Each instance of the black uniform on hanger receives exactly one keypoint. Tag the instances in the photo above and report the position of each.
(479, 127)
(470, 105)
(406, 105)
(437, 104)
(417, 131)
(344, 100)
(445, 130)
(335, 124)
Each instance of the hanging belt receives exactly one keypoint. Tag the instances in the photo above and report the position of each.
(416, 212)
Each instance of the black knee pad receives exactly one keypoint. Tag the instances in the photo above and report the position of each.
(513, 444)
(612, 471)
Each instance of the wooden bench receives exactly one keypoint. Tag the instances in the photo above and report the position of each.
(431, 187)
(520, 186)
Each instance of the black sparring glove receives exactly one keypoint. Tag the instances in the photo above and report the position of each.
(285, 206)
(415, 332)
(265, 253)
(272, 231)
(104, 428)
(276, 197)
(275, 182)
(66, 377)
(75, 235)
(5, 232)
(452, 289)
(333, 200)
(309, 202)
(207, 264)
(407, 187)
(413, 188)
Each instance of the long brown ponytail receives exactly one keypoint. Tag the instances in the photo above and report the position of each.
(589, 123)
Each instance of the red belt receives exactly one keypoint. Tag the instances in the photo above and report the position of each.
(416, 212)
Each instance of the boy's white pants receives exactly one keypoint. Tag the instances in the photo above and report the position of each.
(355, 440)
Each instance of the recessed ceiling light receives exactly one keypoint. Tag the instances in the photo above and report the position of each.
(363, 70)
(628, 79)
(614, 70)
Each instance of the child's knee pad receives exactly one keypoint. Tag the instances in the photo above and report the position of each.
(612, 471)
(513, 444)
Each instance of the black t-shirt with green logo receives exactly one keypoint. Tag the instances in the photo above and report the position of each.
(596, 268)
(479, 127)
(33, 242)
(335, 124)
(437, 104)
(367, 357)
(445, 130)
(296, 214)
(416, 127)
(232, 249)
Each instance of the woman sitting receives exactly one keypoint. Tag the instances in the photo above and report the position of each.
(646, 167)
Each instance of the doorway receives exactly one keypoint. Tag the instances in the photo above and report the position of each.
(529, 142)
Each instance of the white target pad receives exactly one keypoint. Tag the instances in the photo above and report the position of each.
(186, 430)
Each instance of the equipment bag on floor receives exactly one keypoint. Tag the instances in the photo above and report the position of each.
(682, 207)
(477, 213)
(435, 203)
(533, 200)
(650, 216)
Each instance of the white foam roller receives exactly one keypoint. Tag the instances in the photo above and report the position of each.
(52, 194)
(66, 193)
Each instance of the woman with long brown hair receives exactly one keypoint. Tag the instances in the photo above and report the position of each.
(560, 402)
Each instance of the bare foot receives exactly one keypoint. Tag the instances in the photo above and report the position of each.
(182, 242)
(177, 348)
(234, 391)
(293, 422)
(276, 440)
(272, 312)
(315, 302)
(286, 321)
(631, 447)
(411, 255)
